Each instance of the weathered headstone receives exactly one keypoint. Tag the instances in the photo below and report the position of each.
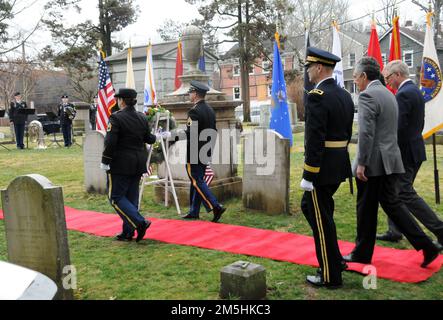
(36, 228)
(243, 280)
(95, 178)
(266, 174)
(265, 116)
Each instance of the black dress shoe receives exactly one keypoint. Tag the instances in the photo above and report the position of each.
(429, 256)
(352, 258)
(141, 230)
(439, 245)
(389, 236)
(218, 212)
(124, 237)
(191, 217)
(318, 282)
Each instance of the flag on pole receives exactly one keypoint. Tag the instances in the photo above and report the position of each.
(130, 79)
(280, 121)
(149, 92)
(374, 49)
(209, 175)
(336, 49)
(106, 96)
(202, 61)
(179, 66)
(395, 52)
(308, 86)
(431, 83)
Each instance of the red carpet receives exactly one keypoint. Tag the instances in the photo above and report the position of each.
(392, 264)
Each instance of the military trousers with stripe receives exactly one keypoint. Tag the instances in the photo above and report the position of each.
(123, 194)
(318, 207)
(200, 192)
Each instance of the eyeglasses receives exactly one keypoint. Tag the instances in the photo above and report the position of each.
(387, 77)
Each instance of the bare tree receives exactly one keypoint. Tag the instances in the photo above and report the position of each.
(317, 16)
(437, 7)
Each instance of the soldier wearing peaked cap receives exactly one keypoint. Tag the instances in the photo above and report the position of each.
(201, 118)
(66, 113)
(125, 159)
(17, 119)
(329, 120)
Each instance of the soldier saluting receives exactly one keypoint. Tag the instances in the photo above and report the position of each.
(329, 120)
(66, 113)
(19, 120)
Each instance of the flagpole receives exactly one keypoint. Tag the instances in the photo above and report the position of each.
(436, 173)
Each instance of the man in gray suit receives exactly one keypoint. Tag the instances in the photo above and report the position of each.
(377, 167)
(411, 121)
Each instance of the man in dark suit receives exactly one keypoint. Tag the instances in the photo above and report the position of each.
(18, 119)
(66, 114)
(125, 159)
(201, 119)
(329, 120)
(377, 167)
(411, 106)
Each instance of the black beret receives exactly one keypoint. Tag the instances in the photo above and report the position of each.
(17, 94)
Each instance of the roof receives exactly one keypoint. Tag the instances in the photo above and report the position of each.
(360, 37)
(415, 35)
(158, 49)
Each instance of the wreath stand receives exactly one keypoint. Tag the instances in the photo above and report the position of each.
(152, 180)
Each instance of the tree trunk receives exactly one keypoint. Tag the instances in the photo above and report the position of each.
(244, 69)
(105, 30)
(438, 4)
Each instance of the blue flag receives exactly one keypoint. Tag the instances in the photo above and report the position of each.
(202, 61)
(280, 121)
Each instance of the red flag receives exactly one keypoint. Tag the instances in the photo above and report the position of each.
(395, 53)
(374, 46)
(179, 66)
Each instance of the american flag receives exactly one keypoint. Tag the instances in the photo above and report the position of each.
(106, 99)
(209, 175)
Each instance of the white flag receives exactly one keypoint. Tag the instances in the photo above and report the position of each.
(130, 79)
(149, 92)
(431, 84)
(336, 49)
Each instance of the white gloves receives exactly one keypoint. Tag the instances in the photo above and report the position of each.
(105, 167)
(163, 135)
(307, 185)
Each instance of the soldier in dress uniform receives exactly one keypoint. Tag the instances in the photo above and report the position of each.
(19, 120)
(200, 118)
(66, 114)
(93, 113)
(125, 159)
(329, 120)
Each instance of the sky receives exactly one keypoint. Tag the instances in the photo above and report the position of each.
(152, 14)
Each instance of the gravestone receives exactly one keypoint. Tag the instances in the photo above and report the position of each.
(243, 280)
(265, 116)
(95, 178)
(36, 228)
(266, 174)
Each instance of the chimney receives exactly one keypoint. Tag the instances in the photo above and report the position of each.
(409, 25)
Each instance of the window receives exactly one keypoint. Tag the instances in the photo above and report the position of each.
(236, 70)
(251, 69)
(351, 60)
(266, 66)
(270, 90)
(384, 58)
(283, 63)
(236, 93)
(408, 58)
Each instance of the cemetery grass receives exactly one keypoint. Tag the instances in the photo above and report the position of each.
(156, 271)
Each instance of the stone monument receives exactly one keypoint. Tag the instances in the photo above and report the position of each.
(226, 184)
(266, 174)
(95, 178)
(36, 228)
(243, 280)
